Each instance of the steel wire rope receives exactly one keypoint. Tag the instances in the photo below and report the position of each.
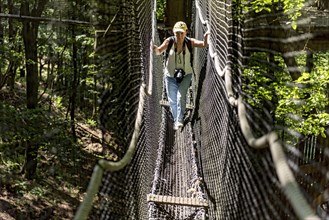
(104, 165)
(271, 140)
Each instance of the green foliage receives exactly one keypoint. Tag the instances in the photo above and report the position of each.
(91, 122)
(160, 10)
(9, 163)
(58, 101)
(309, 99)
(302, 105)
(60, 158)
(292, 8)
(38, 191)
(21, 186)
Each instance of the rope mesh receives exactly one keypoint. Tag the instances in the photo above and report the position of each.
(123, 193)
(210, 159)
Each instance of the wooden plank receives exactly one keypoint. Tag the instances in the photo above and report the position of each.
(183, 201)
(166, 104)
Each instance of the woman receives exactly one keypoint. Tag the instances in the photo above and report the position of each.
(178, 61)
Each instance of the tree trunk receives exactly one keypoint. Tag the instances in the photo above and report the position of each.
(1, 40)
(30, 31)
(11, 35)
(289, 60)
(82, 79)
(11, 74)
(74, 84)
(30, 34)
(31, 162)
(309, 61)
(323, 143)
(1, 29)
(323, 4)
(178, 10)
(4, 77)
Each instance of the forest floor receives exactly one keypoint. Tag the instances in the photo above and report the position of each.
(63, 172)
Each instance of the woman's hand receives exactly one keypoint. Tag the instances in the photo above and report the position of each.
(156, 49)
(159, 49)
(205, 38)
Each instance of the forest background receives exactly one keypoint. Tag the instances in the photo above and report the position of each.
(49, 89)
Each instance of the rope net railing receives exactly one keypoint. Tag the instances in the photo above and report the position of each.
(123, 56)
(237, 156)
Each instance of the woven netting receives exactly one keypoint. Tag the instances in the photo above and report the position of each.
(241, 182)
(123, 55)
(237, 180)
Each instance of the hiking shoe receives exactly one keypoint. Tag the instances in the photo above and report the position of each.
(178, 125)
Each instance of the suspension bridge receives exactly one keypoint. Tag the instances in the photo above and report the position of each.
(229, 160)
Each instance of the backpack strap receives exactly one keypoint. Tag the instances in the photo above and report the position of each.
(171, 42)
(187, 42)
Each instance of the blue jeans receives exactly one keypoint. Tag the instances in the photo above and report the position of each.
(176, 93)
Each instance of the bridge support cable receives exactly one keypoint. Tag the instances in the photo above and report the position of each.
(286, 177)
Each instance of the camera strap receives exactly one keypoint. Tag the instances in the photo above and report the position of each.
(183, 51)
(187, 42)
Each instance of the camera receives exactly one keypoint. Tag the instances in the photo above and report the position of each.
(179, 75)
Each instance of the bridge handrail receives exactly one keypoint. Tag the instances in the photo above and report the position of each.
(150, 82)
(271, 140)
(104, 165)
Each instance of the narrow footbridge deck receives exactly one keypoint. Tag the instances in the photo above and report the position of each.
(177, 187)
